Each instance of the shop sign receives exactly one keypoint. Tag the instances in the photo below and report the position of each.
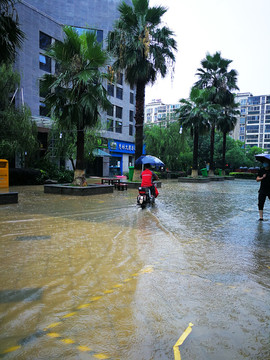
(122, 147)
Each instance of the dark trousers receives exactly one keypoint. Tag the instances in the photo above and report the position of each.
(261, 200)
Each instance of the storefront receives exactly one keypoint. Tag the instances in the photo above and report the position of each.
(122, 156)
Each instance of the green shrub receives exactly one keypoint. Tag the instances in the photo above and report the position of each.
(243, 175)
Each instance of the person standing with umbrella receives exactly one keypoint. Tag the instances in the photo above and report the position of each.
(264, 178)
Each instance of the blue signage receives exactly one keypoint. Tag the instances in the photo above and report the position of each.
(121, 147)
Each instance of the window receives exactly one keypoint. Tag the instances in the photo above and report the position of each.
(253, 118)
(110, 111)
(130, 130)
(42, 92)
(45, 63)
(252, 128)
(131, 115)
(99, 33)
(242, 120)
(131, 98)
(118, 127)
(43, 109)
(243, 101)
(243, 110)
(119, 78)
(110, 89)
(119, 93)
(119, 112)
(255, 100)
(44, 41)
(109, 125)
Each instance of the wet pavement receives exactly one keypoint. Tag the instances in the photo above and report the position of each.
(99, 278)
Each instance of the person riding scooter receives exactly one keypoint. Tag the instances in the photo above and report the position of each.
(147, 177)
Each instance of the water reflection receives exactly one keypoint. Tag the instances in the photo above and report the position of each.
(114, 281)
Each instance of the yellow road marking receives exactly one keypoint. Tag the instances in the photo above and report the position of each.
(13, 348)
(135, 274)
(52, 325)
(117, 286)
(129, 279)
(95, 298)
(148, 269)
(180, 341)
(83, 306)
(53, 335)
(68, 315)
(68, 341)
(83, 348)
(108, 291)
(101, 356)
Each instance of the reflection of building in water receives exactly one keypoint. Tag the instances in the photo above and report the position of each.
(158, 113)
(42, 22)
(253, 124)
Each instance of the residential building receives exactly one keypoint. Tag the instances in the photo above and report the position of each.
(158, 113)
(253, 124)
(42, 23)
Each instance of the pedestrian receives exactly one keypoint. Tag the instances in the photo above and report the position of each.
(147, 177)
(264, 191)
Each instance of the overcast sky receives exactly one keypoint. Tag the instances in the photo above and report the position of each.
(239, 29)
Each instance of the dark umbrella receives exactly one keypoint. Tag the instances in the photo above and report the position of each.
(149, 159)
(263, 157)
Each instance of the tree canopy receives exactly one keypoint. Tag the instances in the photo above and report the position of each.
(75, 93)
(17, 131)
(143, 48)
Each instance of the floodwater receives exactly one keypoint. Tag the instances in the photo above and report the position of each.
(99, 278)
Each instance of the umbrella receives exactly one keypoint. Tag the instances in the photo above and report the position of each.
(149, 159)
(263, 157)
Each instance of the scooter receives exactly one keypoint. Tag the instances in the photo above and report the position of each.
(145, 197)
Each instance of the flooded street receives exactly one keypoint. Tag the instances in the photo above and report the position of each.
(99, 278)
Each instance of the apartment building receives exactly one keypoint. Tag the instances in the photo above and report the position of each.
(253, 124)
(158, 113)
(42, 23)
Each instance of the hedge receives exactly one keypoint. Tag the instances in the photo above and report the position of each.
(243, 175)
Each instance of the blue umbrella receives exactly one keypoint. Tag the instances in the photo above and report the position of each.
(263, 157)
(149, 159)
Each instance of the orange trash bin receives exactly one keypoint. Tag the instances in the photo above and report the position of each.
(4, 176)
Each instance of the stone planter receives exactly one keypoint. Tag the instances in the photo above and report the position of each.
(66, 189)
(194, 180)
(9, 197)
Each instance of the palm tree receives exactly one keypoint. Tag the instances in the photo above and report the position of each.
(76, 91)
(11, 36)
(196, 114)
(214, 74)
(143, 49)
(225, 123)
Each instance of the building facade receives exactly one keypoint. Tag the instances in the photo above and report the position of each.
(253, 124)
(158, 113)
(42, 23)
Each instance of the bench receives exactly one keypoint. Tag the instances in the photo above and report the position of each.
(120, 186)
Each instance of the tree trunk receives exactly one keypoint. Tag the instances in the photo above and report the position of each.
(79, 173)
(139, 120)
(72, 163)
(224, 151)
(195, 153)
(212, 143)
